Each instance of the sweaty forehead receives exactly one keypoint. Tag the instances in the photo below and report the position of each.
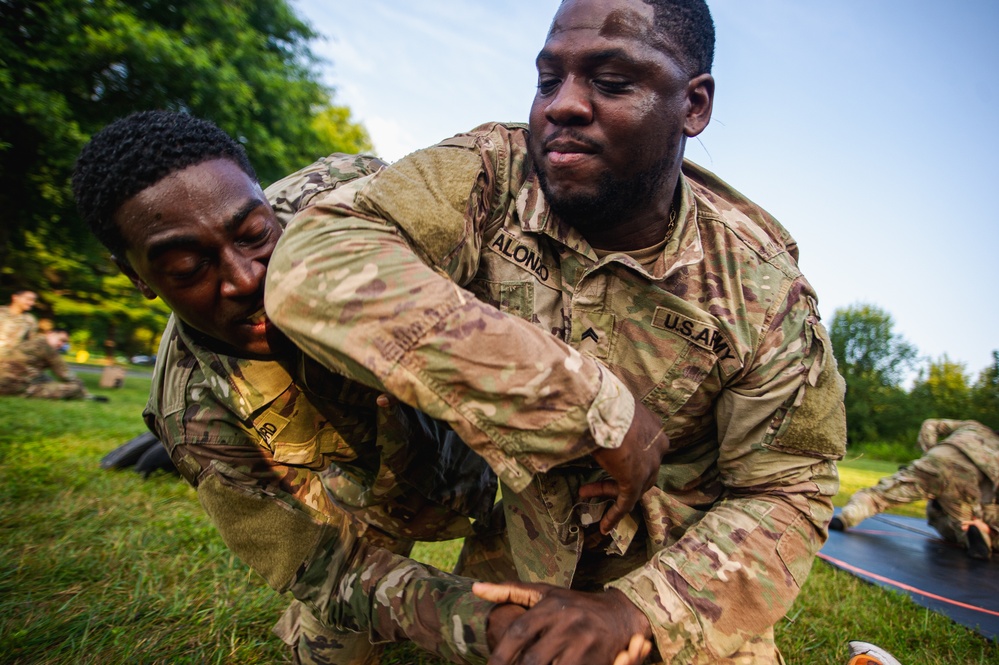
(623, 19)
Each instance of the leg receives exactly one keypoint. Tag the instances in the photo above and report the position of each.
(56, 390)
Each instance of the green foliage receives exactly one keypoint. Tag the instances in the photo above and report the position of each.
(883, 418)
(985, 394)
(943, 390)
(69, 67)
(873, 360)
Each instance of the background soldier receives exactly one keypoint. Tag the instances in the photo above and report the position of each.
(22, 370)
(16, 325)
(959, 474)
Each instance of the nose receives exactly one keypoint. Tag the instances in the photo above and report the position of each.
(243, 275)
(570, 104)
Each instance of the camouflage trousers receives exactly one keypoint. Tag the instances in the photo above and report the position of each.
(484, 556)
(44, 389)
(957, 491)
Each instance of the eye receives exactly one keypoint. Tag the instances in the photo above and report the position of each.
(612, 85)
(255, 236)
(185, 270)
(548, 84)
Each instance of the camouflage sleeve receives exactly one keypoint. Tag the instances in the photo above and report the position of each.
(367, 282)
(281, 521)
(741, 564)
(934, 430)
(59, 367)
(297, 191)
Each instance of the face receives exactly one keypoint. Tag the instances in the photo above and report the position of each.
(24, 301)
(611, 113)
(201, 239)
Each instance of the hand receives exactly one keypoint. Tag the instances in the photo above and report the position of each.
(634, 466)
(982, 526)
(570, 626)
(385, 401)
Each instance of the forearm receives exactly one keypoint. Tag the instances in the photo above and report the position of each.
(393, 598)
(362, 303)
(733, 575)
(318, 553)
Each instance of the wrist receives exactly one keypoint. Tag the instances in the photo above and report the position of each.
(630, 615)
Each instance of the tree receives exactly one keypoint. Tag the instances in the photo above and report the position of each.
(68, 67)
(944, 391)
(985, 394)
(873, 360)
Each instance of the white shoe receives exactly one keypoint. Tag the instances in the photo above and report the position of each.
(864, 653)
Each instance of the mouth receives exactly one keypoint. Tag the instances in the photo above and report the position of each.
(257, 320)
(568, 150)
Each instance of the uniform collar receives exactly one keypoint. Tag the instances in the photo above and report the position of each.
(243, 385)
(683, 249)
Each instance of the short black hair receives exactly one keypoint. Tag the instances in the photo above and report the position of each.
(687, 25)
(136, 152)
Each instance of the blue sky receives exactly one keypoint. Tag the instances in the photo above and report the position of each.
(867, 127)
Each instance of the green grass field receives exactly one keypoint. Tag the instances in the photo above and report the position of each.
(105, 567)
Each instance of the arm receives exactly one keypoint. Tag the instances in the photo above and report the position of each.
(58, 366)
(383, 258)
(278, 516)
(280, 521)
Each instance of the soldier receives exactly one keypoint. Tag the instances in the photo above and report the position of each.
(22, 370)
(959, 474)
(554, 282)
(16, 325)
(306, 480)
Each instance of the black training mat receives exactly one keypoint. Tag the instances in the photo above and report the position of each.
(907, 555)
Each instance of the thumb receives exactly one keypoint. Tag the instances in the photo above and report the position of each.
(508, 593)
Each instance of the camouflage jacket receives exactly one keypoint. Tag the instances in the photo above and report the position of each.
(453, 287)
(978, 442)
(14, 329)
(26, 362)
(305, 477)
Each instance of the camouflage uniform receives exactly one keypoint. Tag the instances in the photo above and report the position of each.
(960, 470)
(445, 280)
(14, 329)
(320, 491)
(22, 372)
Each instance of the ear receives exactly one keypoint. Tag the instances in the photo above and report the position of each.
(700, 99)
(126, 268)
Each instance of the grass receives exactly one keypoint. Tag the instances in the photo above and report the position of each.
(104, 567)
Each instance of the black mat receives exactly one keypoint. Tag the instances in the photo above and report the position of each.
(907, 555)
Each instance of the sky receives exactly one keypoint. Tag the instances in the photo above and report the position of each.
(867, 127)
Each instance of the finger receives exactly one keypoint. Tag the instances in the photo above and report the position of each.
(599, 490)
(635, 647)
(383, 401)
(507, 593)
(626, 501)
(638, 650)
